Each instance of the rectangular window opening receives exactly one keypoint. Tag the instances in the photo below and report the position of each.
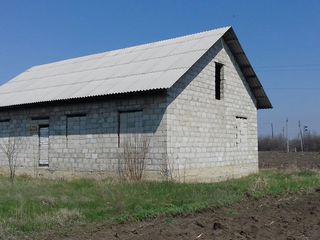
(241, 117)
(75, 125)
(43, 145)
(4, 120)
(218, 78)
(5, 128)
(76, 115)
(39, 118)
(241, 128)
(129, 122)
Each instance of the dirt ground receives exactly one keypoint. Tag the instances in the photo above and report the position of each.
(292, 160)
(289, 217)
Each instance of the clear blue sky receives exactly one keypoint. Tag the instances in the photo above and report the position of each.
(281, 39)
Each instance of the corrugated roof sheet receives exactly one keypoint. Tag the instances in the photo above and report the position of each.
(150, 66)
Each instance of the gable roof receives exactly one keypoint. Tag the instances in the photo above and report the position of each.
(145, 67)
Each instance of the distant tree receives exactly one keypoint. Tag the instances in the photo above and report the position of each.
(311, 143)
(267, 143)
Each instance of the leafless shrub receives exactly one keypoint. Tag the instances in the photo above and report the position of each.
(46, 200)
(259, 185)
(65, 217)
(171, 170)
(5, 232)
(311, 142)
(132, 157)
(167, 169)
(267, 143)
(9, 147)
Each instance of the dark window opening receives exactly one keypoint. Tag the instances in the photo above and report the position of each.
(241, 117)
(39, 118)
(76, 115)
(5, 128)
(74, 119)
(75, 126)
(129, 122)
(218, 77)
(4, 120)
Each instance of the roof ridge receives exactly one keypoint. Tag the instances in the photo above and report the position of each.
(126, 48)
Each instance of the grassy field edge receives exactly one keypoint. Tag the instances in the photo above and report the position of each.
(34, 205)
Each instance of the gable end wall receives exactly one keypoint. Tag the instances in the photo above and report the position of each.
(202, 138)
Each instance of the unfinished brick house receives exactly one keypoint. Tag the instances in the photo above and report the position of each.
(196, 98)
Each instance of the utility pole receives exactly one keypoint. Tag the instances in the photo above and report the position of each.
(301, 136)
(305, 144)
(272, 130)
(288, 148)
(283, 132)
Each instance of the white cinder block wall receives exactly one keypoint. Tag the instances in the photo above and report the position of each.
(83, 146)
(203, 140)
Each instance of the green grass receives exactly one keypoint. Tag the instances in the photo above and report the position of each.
(33, 205)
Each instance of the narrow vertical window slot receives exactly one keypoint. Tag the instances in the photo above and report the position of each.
(218, 82)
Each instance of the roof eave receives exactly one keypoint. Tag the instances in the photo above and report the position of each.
(77, 100)
(247, 70)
